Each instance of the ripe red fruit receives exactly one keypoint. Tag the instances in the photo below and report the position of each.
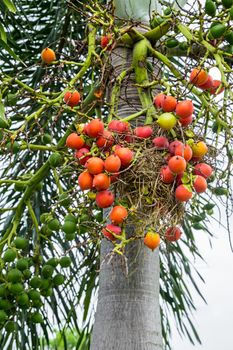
(161, 142)
(184, 109)
(208, 84)
(80, 154)
(74, 141)
(166, 175)
(118, 126)
(95, 165)
(184, 151)
(186, 121)
(182, 193)
(177, 164)
(112, 163)
(105, 40)
(85, 180)
(143, 131)
(200, 184)
(198, 76)
(95, 128)
(215, 87)
(158, 100)
(104, 199)
(72, 98)
(118, 214)
(173, 145)
(172, 234)
(203, 169)
(168, 103)
(111, 228)
(105, 140)
(101, 182)
(125, 155)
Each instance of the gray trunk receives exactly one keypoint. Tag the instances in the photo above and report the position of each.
(128, 312)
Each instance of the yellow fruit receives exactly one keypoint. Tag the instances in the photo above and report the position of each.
(48, 55)
(167, 121)
(152, 240)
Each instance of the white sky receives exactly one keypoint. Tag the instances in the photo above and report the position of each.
(214, 321)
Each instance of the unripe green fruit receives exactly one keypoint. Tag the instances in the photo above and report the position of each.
(227, 3)
(46, 231)
(20, 242)
(65, 261)
(210, 8)
(16, 288)
(44, 218)
(11, 326)
(156, 21)
(3, 316)
(9, 255)
(14, 276)
(35, 282)
(217, 30)
(167, 11)
(64, 200)
(83, 229)
(37, 303)
(46, 138)
(59, 279)
(2, 290)
(70, 236)
(54, 225)
(3, 123)
(22, 264)
(229, 37)
(36, 317)
(56, 160)
(5, 304)
(47, 271)
(172, 42)
(70, 217)
(13, 147)
(27, 274)
(23, 300)
(11, 99)
(183, 45)
(45, 284)
(69, 227)
(53, 262)
(47, 292)
(84, 217)
(34, 294)
(231, 13)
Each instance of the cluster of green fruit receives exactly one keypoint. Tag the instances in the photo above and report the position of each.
(25, 281)
(70, 227)
(220, 30)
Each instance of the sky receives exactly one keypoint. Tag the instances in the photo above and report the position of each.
(213, 321)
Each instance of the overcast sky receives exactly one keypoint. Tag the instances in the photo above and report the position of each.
(214, 321)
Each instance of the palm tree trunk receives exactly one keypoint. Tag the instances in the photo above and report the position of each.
(128, 311)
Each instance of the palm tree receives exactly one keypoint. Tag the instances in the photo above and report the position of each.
(34, 123)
